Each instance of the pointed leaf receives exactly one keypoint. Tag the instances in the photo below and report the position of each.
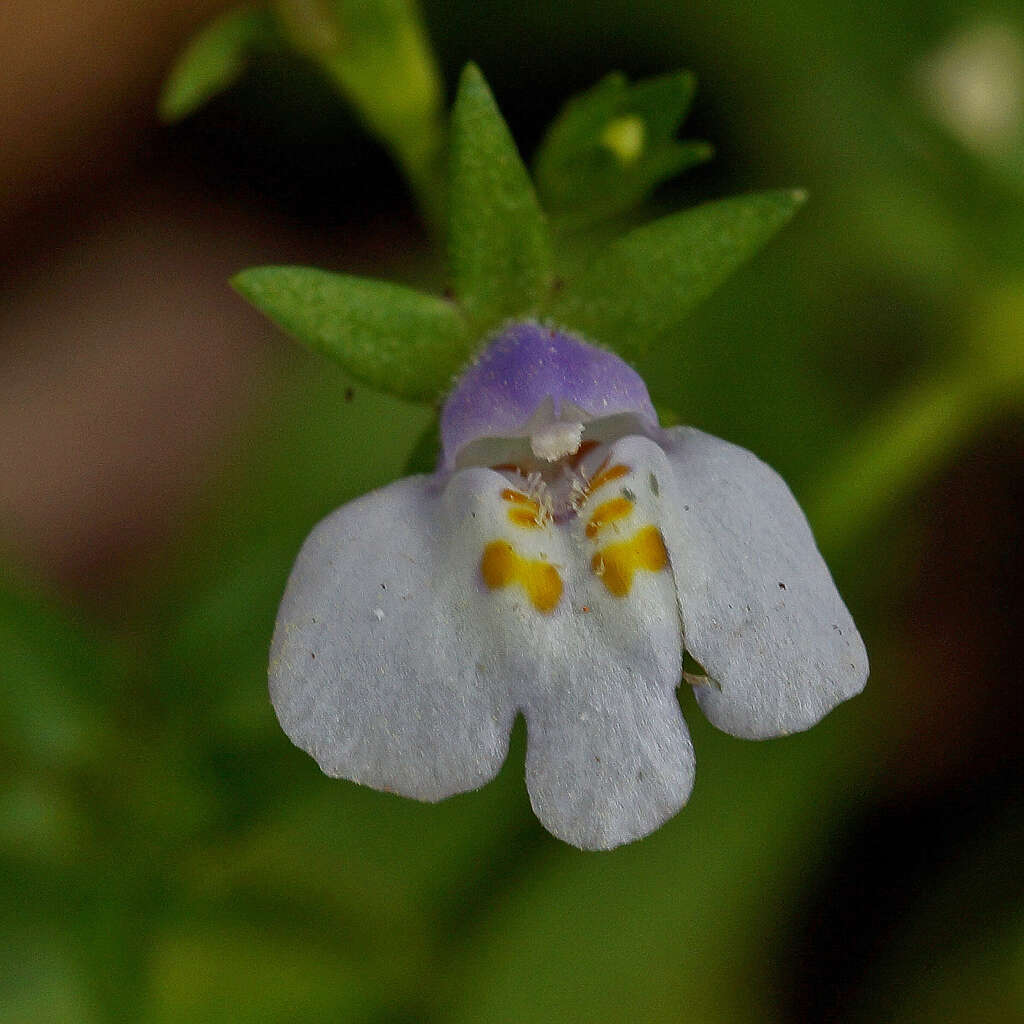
(611, 146)
(498, 242)
(393, 338)
(215, 58)
(642, 285)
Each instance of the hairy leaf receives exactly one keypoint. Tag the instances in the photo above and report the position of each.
(391, 337)
(498, 242)
(640, 287)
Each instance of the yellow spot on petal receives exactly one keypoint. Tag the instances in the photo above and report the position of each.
(617, 563)
(516, 497)
(525, 517)
(607, 475)
(501, 566)
(608, 512)
(604, 475)
(526, 512)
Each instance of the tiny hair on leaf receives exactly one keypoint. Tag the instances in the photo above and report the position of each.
(640, 287)
(394, 338)
(498, 243)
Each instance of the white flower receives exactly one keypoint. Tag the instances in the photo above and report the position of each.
(557, 564)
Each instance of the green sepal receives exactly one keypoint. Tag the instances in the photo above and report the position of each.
(393, 338)
(215, 58)
(610, 146)
(640, 287)
(692, 667)
(498, 244)
(427, 450)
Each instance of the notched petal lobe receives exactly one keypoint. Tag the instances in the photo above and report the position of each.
(370, 671)
(759, 608)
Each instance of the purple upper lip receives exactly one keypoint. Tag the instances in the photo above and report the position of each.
(523, 366)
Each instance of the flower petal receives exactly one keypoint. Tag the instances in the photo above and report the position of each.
(420, 618)
(760, 611)
(609, 758)
(595, 666)
(524, 367)
(371, 670)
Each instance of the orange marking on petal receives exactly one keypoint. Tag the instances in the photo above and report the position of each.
(604, 475)
(607, 475)
(501, 566)
(527, 511)
(617, 563)
(526, 517)
(608, 512)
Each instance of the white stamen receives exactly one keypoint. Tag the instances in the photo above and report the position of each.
(537, 489)
(577, 494)
(556, 440)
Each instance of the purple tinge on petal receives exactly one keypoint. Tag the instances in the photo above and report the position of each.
(523, 366)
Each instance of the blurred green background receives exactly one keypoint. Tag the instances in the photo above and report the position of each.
(166, 855)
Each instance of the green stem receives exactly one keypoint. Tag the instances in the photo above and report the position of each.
(908, 439)
(893, 452)
(377, 55)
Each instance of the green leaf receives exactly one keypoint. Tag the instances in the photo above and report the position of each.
(215, 59)
(393, 338)
(498, 243)
(611, 146)
(640, 287)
